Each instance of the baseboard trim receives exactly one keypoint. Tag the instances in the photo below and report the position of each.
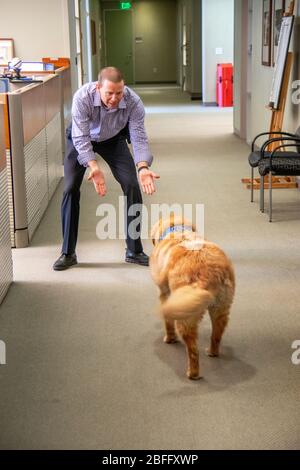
(210, 103)
(156, 83)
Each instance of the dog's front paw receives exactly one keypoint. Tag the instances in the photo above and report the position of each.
(170, 339)
(193, 375)
(211, 353)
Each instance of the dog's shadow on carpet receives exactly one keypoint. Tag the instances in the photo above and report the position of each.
(218, 373)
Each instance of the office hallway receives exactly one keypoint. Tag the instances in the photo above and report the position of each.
(86, 364)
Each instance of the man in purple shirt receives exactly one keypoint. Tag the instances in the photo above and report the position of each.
(104, 115)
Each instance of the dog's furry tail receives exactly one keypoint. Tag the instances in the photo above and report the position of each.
(186, 302)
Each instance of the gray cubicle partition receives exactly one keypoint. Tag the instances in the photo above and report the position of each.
(34, 154)
(54, 140)
(66, 100)
(6, 270)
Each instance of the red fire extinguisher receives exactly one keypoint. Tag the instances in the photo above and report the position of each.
(224, 85)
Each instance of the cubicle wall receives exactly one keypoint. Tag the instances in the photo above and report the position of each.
(6, 271)
(66, 100)
(34, 154)
(54, 140)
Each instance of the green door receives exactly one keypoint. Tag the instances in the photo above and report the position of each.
(119, 42)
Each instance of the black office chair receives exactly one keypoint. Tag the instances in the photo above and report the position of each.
(278, 163)
(256, 155)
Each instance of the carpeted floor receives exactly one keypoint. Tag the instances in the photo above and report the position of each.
(86, 365)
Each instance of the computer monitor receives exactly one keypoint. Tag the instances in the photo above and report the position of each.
(34, 67)
(49, 67)
(4, 85)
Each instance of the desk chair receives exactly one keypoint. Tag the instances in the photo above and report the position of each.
(256, 155)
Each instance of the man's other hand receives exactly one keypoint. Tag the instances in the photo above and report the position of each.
(147, 178)
(97, 177)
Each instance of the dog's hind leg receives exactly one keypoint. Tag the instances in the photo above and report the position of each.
(170, 336)
(219, 319)
(189, 333)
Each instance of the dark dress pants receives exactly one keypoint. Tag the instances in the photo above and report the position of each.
(116, 153)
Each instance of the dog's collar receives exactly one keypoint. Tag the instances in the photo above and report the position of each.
(175, 228)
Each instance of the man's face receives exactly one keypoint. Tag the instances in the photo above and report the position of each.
(111, 93)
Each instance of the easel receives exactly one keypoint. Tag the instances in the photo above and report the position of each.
(276, 125)
(277, 114)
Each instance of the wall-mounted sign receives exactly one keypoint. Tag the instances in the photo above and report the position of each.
(125, 5)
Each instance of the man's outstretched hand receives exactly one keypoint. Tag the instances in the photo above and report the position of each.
(147, 178)
(97, 177)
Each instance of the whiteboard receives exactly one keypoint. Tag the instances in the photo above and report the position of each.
(282, 50)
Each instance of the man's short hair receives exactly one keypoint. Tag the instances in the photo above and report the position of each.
(110, 73)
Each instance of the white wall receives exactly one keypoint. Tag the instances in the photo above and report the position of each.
(217, 31)
(46, 28)
(260, 82)
(40, 28)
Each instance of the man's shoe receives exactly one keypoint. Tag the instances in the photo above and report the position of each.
(65, 262)
(137, 258)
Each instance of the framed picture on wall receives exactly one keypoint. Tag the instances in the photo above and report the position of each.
(266, 32)
(6, 50)
(278, 11)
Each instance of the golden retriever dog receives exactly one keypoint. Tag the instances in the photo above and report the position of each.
(193, 275)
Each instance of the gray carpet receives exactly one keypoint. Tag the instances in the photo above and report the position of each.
(86, 365)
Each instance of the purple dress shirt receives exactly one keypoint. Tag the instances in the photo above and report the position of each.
(92, 121)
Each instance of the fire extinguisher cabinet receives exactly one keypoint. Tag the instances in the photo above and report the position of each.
(225, 85)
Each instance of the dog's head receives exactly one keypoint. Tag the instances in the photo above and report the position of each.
(172, 227)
